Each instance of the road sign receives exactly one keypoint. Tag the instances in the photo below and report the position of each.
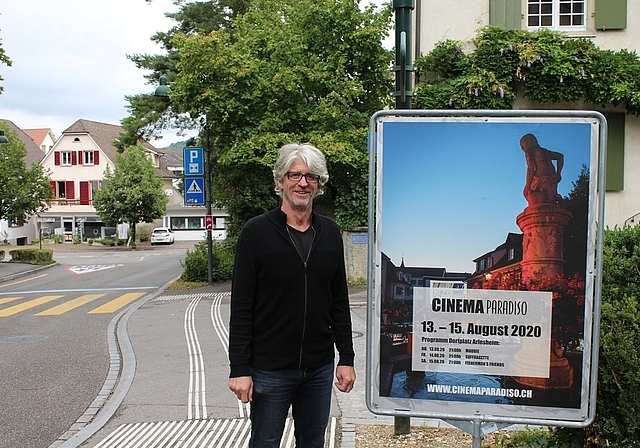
(193, 161)
(194, 192)
(208, 222)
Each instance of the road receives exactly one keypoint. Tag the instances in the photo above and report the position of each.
(54, 349)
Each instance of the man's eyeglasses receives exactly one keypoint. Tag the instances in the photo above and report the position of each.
(296, 177)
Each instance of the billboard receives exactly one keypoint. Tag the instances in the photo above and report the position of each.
(483, 261)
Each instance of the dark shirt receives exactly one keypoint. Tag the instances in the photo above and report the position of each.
(285, 312)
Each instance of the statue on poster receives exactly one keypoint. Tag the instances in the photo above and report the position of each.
(542, 179)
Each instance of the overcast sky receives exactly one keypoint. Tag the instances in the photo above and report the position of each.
(69, 59)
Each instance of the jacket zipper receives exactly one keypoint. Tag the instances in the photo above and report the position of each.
(304, 261)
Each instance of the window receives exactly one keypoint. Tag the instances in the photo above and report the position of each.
(565, 15)
(61, 189)
(95, 186)
(512, 253)
(195, 223)
(87, 157)
(65, 158)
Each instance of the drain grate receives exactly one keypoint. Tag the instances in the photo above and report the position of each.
(23, 339)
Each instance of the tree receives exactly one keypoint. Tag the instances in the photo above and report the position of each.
(148, 114)
(23, 191)
(4, 59)
(305, 70)
(132, 192)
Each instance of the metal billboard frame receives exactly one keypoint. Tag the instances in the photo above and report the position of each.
(411, 408)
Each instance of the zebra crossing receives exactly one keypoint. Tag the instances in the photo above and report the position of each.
(63, 303)
(199, 430)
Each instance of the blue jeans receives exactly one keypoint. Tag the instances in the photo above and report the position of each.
(307, 391)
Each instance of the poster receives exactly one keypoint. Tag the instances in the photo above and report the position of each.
(484, 253)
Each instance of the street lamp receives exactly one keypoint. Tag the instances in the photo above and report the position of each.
(163, 90)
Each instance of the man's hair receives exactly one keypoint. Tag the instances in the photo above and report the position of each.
(309, 154)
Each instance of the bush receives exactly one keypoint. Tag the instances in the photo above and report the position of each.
(618, 403)
(32, 256)
(143, 232)
(195, 262)
(107, 242)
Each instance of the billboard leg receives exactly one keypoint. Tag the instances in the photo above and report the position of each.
(401, 425)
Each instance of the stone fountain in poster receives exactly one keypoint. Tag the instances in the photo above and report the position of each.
(543, 222)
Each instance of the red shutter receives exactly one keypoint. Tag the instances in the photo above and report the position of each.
(69, 189)
(96, 157)
(74, 158)
(56, 158)
(52, 187)
(84, 193)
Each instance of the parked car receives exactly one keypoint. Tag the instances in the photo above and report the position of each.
(162, 235)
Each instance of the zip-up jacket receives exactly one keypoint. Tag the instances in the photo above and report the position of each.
(288, 309)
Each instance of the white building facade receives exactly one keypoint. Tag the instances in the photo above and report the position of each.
(611, 26)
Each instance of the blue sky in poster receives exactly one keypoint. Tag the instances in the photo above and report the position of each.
(451, 190)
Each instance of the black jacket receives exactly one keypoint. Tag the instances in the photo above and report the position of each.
(286, 313)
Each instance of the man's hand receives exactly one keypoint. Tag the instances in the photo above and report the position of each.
(346, 376)
(242, 386)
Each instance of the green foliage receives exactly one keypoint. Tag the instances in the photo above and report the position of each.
(23, 191)
(148, 114)
(537, 438)
(106, 242)
(144, 232)
(32, 256)
(4, 59)
(543, 66)
(196, 263)
(306, 71)
(618, 404)
(133, 191)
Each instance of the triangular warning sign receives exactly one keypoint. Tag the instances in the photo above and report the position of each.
(194, 188)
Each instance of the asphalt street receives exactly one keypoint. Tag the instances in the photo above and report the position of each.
(167, 381)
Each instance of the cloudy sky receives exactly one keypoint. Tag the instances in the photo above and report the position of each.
(451, 188)
(69, 59)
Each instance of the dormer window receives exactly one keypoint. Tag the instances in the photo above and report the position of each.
(512, 253)
(76, 140)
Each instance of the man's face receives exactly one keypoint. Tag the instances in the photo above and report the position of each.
(298, 195)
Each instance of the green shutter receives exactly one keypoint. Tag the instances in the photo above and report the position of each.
(611, 14)
(506, 13)
(615, 151)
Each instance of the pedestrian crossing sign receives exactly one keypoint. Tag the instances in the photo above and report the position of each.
(194, 191)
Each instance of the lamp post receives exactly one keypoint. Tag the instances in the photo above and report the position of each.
(163, 90)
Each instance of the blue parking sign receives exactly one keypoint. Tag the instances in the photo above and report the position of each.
(193, 161)
(194, 191)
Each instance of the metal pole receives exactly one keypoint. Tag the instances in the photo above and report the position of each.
(404, 59)
(207, 199)
(403, 68)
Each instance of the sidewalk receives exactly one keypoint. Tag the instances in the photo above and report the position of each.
(12, 271)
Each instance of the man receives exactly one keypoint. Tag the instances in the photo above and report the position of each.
(289, 306)
(541, 185)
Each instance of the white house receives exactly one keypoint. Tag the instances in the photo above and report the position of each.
(22, 235)
(611, 26)
(77, 162)
(43, 137)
